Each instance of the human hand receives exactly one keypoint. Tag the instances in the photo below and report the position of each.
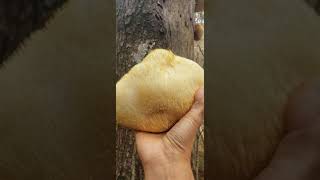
(168, 155)
(298, 155)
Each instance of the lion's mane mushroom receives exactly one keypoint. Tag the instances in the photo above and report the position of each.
(157, 92)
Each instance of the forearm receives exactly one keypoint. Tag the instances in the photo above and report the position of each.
(170, 171)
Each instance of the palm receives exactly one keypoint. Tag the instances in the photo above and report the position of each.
(150, 146)
(176, 144)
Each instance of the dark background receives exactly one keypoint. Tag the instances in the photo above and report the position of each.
(57, 98)
(256, 52)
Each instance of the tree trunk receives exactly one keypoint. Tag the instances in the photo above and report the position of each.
(199, 6)
(143, 25)
(19, 18)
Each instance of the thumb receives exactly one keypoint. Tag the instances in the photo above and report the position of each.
(195, 114)
(184, 131)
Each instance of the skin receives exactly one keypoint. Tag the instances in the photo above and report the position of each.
(168, 155)
(298, 155)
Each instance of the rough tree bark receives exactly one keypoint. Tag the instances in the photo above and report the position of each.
(143, 25)
(199, 6)
(19, 18)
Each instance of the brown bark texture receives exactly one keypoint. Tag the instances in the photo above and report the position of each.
(199, 6)
(143, 25)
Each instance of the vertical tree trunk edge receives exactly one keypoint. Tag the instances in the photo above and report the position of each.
(143, 26)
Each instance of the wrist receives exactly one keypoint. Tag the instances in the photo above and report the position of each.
(170, 170)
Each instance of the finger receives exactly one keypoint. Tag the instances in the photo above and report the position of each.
(185, 130)
(140, 139)
(142, 136)
(138, 134)
(298, 153)
(303, 106)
